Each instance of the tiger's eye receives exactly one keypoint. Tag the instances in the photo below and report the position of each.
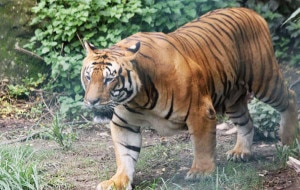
(88, 77)
(108, 80)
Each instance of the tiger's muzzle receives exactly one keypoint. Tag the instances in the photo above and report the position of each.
(103, 111)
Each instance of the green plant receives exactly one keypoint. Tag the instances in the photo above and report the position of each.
(69, 107)
(18, 90)
(28, 86)
(60, 134)
(19, 169)
(284, 152)
(265, 118)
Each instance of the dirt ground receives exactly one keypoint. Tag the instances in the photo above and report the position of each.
(92, 155)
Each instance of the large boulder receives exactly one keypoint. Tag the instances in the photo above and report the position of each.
(15, 31)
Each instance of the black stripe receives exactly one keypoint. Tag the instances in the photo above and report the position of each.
(237, 24)
(120, 118)
(191, 37)
(274, 94)
(233, 116)
(272, 100)
(266, 88)
(250, 130)
(242, 123)
(146, 57)
(129, 77)
(171, 108)
(205, 61)
(188, 111)
(128, 94)
(219, 101)
(132, 110)
(135, 160)
(279, 107)
(209, 49)
(214, 98)
(278, 93)
(126, 127)
(130, 147)
(221, 27)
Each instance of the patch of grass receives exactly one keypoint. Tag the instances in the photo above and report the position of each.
(59, 182)
(19, 169)
(61, 135)
(232, 176)
(228, 175)
(284, 152)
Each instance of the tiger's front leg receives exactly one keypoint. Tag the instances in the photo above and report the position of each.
(127, 144)
(202, 127)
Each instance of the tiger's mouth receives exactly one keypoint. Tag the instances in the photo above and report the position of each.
(103, 113)
(103, 116)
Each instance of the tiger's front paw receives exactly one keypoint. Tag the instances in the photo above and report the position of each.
(237, 155)
(204, 171)
(115, 183)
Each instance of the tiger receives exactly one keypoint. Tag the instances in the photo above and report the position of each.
(182, 80)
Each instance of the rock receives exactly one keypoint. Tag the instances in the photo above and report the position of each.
(15, 28)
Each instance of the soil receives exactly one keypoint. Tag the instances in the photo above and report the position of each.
(92, 155)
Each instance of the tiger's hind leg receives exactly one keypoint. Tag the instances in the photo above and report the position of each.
(239, 114)
(286, 104)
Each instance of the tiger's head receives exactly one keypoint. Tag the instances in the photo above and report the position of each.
(109, 79)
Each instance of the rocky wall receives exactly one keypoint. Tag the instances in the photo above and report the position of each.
(15, 30)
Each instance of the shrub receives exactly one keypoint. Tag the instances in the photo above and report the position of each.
(265, 118)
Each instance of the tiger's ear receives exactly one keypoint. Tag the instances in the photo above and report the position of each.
(133, 50)
(89, 48)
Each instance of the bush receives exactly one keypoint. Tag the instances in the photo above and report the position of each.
(265, 119)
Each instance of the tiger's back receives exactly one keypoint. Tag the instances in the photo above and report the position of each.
(233, 47)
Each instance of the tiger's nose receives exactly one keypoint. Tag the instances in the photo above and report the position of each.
(92, 102)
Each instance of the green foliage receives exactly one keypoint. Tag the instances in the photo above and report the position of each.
(69, 107)
(61, 134)
(265, 118)
(284, 152)
(169, 15)
(18, 169)
(28, 86)
(295, 16)
(18, 90)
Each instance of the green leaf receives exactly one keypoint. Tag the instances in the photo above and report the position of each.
(293, 16)
(45, 50)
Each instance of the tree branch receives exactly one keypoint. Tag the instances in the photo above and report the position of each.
(18, 48)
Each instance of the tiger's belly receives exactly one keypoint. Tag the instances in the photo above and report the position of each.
(166, 127)
(146, 119)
